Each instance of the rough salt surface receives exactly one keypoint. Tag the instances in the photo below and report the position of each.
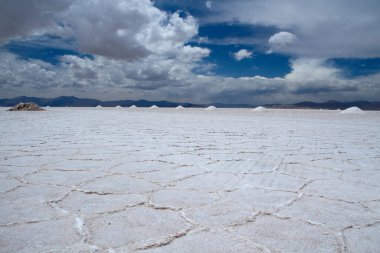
(87, 180)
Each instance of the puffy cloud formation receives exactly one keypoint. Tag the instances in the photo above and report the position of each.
(174, 79)
(310, 79)
(242, 54)
(313, 76)
(116, 29)
(127, 29)
(100, 73)
(133, 45)
(281, 40)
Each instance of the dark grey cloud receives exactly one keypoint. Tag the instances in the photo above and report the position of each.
(323, 89)
(27, 17)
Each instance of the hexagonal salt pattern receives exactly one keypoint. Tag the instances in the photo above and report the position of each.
(85, 180)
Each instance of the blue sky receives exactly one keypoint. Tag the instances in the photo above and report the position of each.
(195, 51)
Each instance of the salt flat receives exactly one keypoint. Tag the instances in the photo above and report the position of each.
(189, 180)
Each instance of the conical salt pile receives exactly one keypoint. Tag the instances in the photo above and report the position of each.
(260, 109)
(352, 110)
(210, 108)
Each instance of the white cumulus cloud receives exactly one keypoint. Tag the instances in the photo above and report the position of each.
(127, 29)
(118, 29)
(242, 54)
(281, 40)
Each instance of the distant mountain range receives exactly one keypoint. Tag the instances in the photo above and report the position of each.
(332, 105)
(87, 102)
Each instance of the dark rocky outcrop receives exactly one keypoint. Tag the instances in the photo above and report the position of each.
(26, 107)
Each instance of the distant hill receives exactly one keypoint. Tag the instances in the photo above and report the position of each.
(87, 102)
(71, 101)
(331, 105)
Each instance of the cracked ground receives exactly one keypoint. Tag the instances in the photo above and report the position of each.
(165, 180)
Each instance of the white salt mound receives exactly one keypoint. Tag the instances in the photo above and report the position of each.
(99, 106)
(154, 107)
(133, 106)
(260, 109)
(180, 107)
(352, 110)
(210, 108)
(119, 106)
